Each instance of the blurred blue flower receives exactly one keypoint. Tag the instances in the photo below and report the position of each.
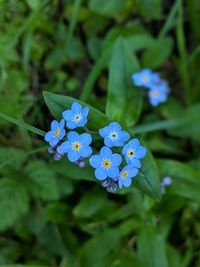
(77, 146)
(110, 185)
(133, 152)
(76, 117)
(113, 135)
(165, 182)
(143, 77)
(158, 93)
(126, 175)
(106, 164)
(56, 134)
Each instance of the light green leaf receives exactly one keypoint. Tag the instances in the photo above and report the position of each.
(123, 100)
(185, 180)
(151, 247)
(41, 181)
(108, 8)
(59, 103)
(13, 202)
(158, 53)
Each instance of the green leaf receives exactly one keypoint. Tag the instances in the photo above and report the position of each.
(41, 181)
(22, 124)
(158, 53)
(13, 202)
(151, 247)
(148, 180)
(185, 180)
(59, 103)
(108, 8)
(123, 101)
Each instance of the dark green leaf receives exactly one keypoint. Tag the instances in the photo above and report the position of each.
(123, 101)
(59, 103)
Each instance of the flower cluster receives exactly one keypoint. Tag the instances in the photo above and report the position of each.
(108, 164)
(110, 168)
(158, 89)
(77, 146)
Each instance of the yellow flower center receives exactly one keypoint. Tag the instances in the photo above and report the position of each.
(124, 174)
(106, 163)
(76, 146)
(77, 117)
(57, 132)
(155, 93)
(145, 79)
(130, 153)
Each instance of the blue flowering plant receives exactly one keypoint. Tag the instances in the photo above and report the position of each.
(158, 88)
(76, 146)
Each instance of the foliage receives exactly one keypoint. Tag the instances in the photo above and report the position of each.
(53, 53)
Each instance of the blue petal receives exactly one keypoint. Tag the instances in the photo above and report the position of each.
(134, 143)
(135, 163)
(116, 159)
(49, 136)
(61, 125)
(82, 123)
(124, 135)
(76, 107)
(105, 152)
(67, 115)
(71, 124)
(115, 126)
(124, 150)
(100, 173)
(127, 182)
(85, 138)
(65, 147)
(113, 172)
(95, 161)
(54, 141)
(104, 131)
(118, 143)
(73, 155)
(85, 152)
(85, 112)
(62, 134)
(140, 152)
(54, 125)
(120, 183)
(73, 136)
(132, 172)
(108, 142)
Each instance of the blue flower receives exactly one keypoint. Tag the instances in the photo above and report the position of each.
(76, 117)
(77, 146)
(158, 93)
(106, 164)
(133, 152)
(110, 185)
(56, 134)
(165, 182)
(143, 77)
(113, 135)
(126, 175)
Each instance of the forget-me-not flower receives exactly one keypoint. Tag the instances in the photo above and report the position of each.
(143, 77)
(77, 146)
(133, 152)
(76, 116)
(56, 134)
(113, 135)
(110, 184)
(158, 93)
(126, 175)
(106, 164)
(165, 182)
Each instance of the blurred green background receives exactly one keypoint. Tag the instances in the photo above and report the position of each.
(53, 214)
